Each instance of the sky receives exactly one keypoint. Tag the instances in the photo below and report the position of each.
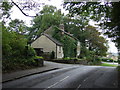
(16, 14)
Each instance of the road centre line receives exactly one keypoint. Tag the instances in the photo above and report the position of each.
(53, 85)
(80, 84)
(57, 82)
(64, 78)
(78, 87)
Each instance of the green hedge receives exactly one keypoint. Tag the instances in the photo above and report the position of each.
(107, 59)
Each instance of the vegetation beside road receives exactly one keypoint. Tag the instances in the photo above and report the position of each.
(106, 64)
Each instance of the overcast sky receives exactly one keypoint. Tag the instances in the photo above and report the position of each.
(16, 14)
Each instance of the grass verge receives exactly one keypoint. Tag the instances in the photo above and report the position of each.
(106, 64)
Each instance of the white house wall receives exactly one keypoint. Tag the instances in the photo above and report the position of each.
(60, 52)
(78, 48)
(45, 43)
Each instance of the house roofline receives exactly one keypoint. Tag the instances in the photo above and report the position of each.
(52, 39)
(67, 33)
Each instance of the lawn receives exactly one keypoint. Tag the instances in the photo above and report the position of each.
(106, 64)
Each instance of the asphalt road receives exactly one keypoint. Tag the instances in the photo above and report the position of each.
(72, 77)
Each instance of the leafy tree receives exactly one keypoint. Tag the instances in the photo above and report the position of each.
(17, 26)
(95, 42)
(5, 11)
(47, 17)
(13, 44)
(87, 35)
(106, 13)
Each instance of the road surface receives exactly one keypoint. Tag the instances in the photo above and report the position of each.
(71, 77)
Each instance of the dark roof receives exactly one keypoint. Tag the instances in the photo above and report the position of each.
(54, 40)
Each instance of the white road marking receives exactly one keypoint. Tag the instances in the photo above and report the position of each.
(78, 86)
(85, 79)
(57, 82)
(53, 84)
(64, 78)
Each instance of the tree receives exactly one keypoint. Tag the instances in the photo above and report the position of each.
(17, 26)
(106, 13)
(95, 42)
(5, 9)
(47, 17)
(13, 44)
(87, 35)
(27, 5)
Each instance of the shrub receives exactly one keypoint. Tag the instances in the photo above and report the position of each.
(38, 57)
(52, 55)
(29, 51)
(67, 58)
(107, 59)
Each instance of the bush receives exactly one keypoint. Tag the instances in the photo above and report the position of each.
(107, 59)
(17, 64)
(29, 51)
(52, 55)
(38, 57)
(67, 58)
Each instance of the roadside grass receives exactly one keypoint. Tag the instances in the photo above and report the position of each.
(106, 64)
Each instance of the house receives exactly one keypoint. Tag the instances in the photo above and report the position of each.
(113, 56)
(47, 44)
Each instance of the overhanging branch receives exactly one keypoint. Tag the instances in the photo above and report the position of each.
(21, 9)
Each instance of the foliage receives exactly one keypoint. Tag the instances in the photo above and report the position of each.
(38, 57)
(5, 10)
(29, 51)
(90, 38)
(69, 43)
(67, 58)
(47, 17)
(95, 42)
(107, 59)
(106, 14)
(17, 26)
(15, 54)
(17, 64)
(13, 44)
(52, 55)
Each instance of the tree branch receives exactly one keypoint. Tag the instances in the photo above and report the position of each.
(21, 9)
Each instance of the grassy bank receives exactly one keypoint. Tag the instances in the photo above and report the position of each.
(106, 64)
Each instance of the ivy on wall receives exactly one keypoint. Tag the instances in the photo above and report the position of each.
(69, 44)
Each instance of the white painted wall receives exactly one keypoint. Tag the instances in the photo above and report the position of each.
(60, 52)
(48, 46)
(78, 48)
